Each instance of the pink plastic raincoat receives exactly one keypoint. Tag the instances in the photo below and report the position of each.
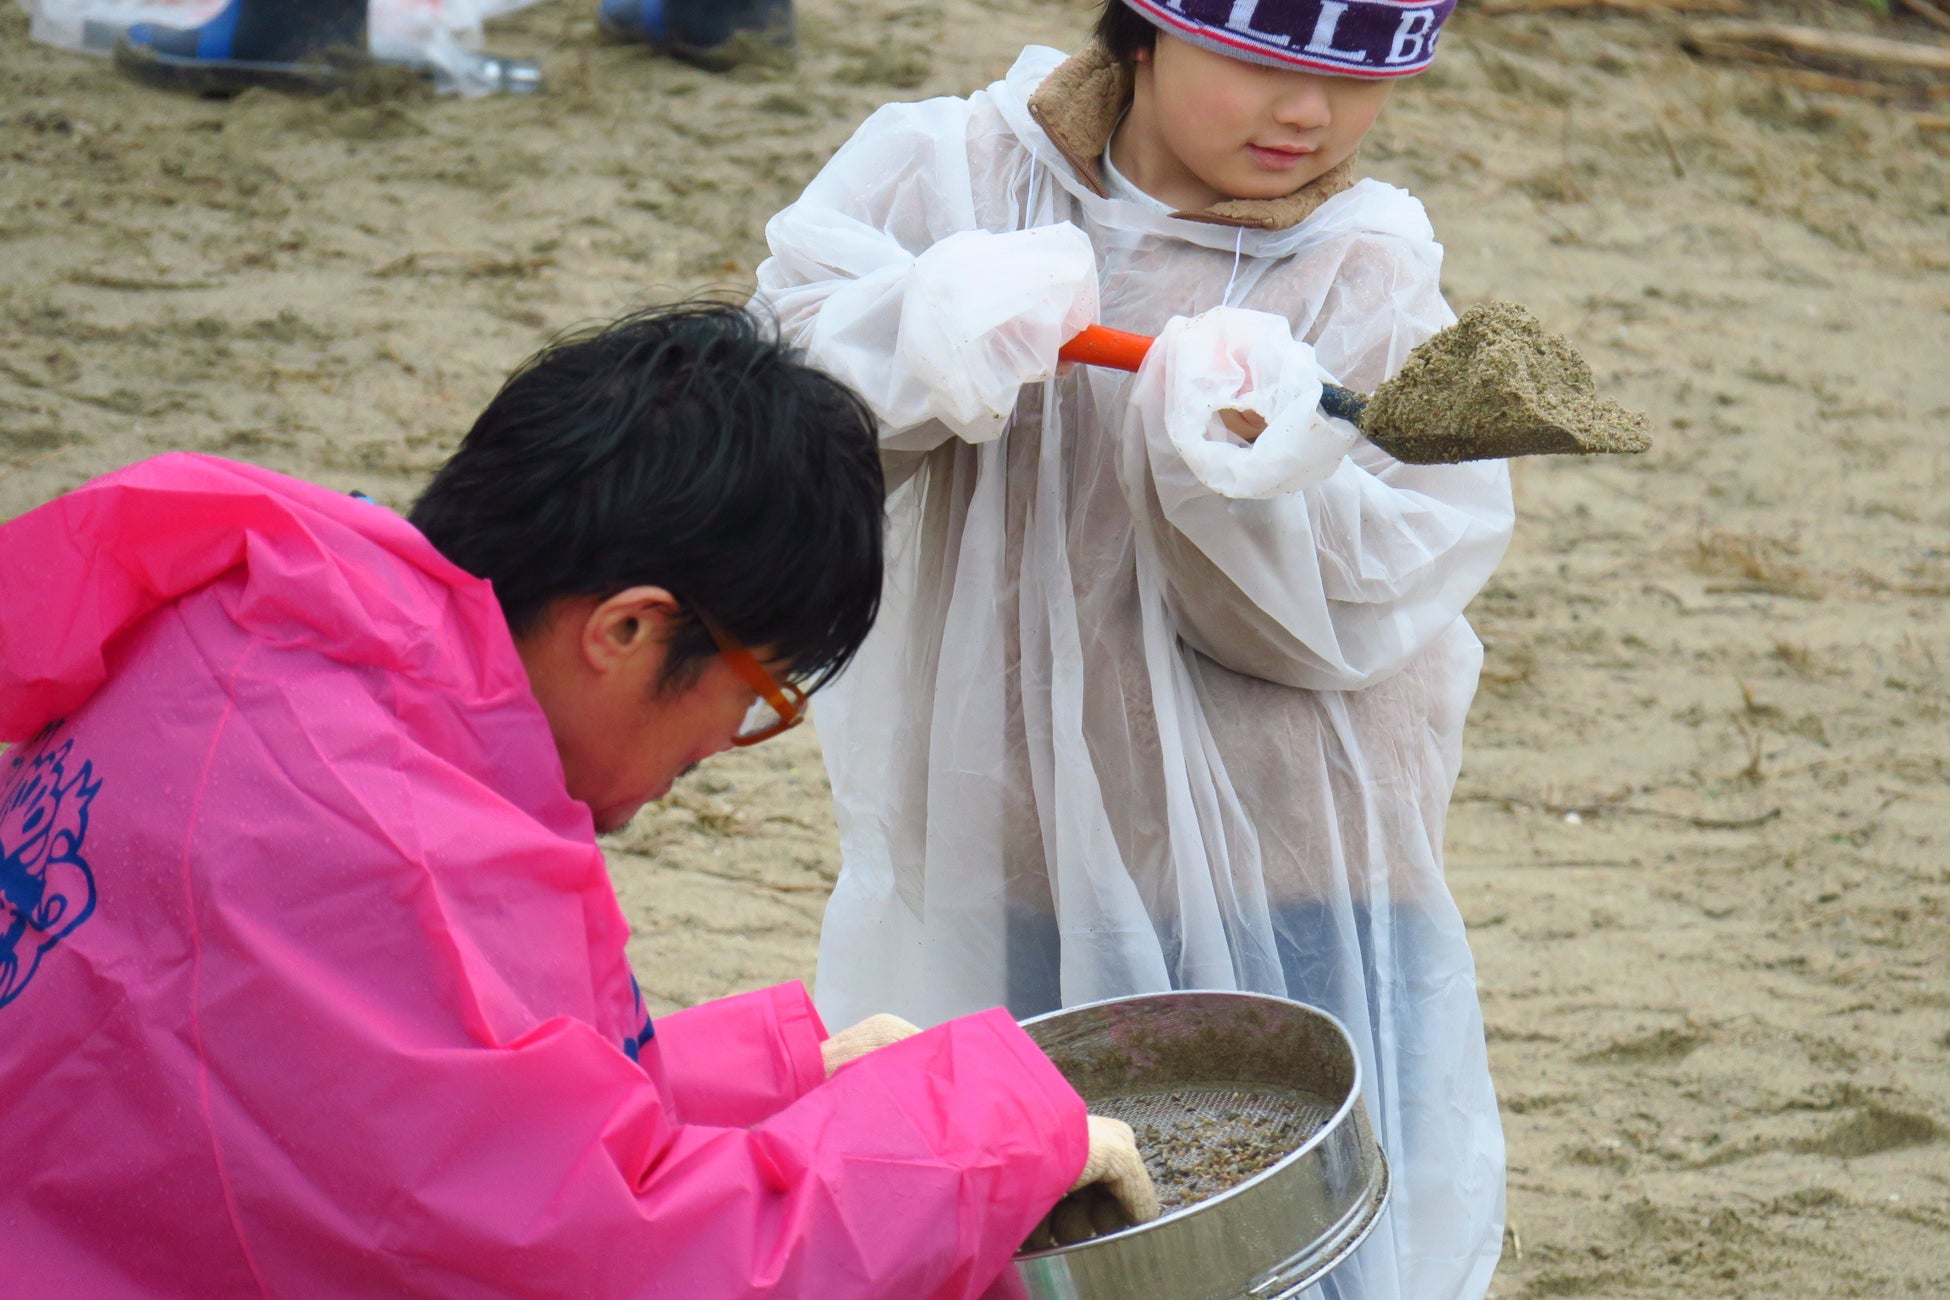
(312, 981)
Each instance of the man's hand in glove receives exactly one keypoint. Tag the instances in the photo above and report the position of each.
(1114, 1191)
(870, 1035)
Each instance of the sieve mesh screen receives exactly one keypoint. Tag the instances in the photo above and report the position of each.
(1198, 1142)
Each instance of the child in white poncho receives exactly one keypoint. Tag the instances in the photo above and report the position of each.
(1169, 684)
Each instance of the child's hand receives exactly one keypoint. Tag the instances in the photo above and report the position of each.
(1237, 399)
(1243, 425)
(984, 314)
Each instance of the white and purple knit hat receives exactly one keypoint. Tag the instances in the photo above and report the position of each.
(1349, 38)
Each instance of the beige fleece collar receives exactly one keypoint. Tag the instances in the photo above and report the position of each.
(1078, 106)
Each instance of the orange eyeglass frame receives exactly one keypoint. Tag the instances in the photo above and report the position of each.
(786, 699)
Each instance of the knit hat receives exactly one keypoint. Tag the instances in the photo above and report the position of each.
(1349, 38)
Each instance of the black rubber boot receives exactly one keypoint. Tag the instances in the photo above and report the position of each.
(715, 34)
(301, 45)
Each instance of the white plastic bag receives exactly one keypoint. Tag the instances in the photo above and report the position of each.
(1231, 359)
(435, 34)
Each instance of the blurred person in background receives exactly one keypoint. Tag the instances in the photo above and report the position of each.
(321, 45)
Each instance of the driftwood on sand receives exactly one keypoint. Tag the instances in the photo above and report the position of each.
(1743, 40)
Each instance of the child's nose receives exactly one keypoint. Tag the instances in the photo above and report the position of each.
(1305, 109)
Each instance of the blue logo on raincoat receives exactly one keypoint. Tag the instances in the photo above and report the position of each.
(46, 887)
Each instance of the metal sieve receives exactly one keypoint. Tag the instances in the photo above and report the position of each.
(1207, 1073)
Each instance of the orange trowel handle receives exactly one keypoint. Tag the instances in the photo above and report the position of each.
(1101, 346)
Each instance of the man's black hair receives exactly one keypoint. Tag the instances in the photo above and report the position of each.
(1124, 31)
(684, 448)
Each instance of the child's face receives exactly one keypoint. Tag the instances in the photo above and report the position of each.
(1245, 131)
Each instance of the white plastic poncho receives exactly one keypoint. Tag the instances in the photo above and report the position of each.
(1149, 707)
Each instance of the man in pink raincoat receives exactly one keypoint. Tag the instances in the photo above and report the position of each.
(312, 981)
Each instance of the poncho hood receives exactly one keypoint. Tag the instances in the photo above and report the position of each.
(323, 569)
(1078, 106)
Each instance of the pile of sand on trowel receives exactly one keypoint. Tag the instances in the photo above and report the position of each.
(1496, 384)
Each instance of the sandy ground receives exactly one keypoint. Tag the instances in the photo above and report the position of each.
(1703, 832)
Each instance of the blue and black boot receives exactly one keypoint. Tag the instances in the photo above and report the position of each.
(297, 45)
(715, 34)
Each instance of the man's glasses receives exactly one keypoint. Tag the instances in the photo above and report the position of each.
(781, 705)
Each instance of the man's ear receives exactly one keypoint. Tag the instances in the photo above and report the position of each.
(628, 628)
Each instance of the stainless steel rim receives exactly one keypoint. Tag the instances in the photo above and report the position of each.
(1326, 1255)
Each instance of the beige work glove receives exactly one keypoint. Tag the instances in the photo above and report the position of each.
(870, 1035)
(1112, 1193)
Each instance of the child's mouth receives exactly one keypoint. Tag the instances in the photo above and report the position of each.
(1278, 159)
